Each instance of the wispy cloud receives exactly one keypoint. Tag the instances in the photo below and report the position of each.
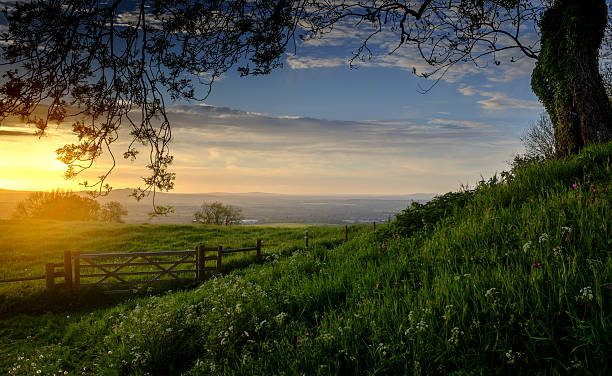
(225, 149)
(345, 38)
(308, 62)
(6, 132)
(499, 101)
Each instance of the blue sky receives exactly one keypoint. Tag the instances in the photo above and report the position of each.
(316, 126)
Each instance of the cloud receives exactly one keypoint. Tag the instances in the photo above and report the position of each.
(340, 43)
(226, 126)
(226, 149)
(314, 62)
(499, 101)
(15, 133)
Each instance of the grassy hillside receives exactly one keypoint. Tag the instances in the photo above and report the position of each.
(514, 277)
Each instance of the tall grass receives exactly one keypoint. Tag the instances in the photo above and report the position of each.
(516, 280)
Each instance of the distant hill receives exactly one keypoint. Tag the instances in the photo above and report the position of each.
(257, 207)
(8, 201)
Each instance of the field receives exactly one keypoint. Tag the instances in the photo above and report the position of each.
(514, 277)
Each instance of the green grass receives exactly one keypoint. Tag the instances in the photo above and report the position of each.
(517, 280)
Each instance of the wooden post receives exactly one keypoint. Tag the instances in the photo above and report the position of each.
(345, 233)
(374, 226)
(259, 251)
(77, 270)
(219, 256)
(200, 262)
(68, 270)
(50, 277)
(306, 238)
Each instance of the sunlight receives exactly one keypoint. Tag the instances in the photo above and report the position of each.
(27, 163)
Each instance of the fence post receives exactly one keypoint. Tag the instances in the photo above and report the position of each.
(68, 270)
(219, 256)
(259, 251)
(50, 277)
(200, 262)
(374, 226)
(306, 238)
(77, 270)
(345, 233)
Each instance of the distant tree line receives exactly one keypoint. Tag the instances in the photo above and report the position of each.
(67, 206)
(216, 213)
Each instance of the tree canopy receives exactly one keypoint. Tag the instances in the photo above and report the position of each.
(109, 65)
(216, 213)
(59, 205)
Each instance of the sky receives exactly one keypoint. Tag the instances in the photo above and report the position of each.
(316, 126)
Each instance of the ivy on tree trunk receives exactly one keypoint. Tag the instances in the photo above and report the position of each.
(566, 78)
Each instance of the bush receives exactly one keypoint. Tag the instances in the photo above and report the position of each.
(216, 213)
(417, 216)
(113, 212)
(57, 204)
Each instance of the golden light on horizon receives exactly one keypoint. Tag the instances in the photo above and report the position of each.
(30, 164)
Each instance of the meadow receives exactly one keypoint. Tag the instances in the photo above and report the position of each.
(511, 277)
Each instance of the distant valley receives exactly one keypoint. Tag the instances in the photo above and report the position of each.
(257, 208)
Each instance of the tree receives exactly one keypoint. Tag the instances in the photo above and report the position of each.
(216, 213)
(113, 211)
(539, 139)
(105, 64)
(59, 205)
(566, 77)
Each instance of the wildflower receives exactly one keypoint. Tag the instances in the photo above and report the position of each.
(384, 245)
(526, 246)
(543, 238)
(609, 287)
(421, 325)
(490, 292)
(489, 209)
(341, 318)
(455, 333)
(299, 341)
(585, 294)
(575, 186)
(567, 240)
(566, 229)
(512, 356)
(422, 220)
(537, 264)
(396, 236)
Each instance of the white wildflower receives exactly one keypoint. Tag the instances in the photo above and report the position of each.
(586, 294)
(526, 246)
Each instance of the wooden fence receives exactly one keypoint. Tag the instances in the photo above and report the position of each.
(88, 266)
(112, 269)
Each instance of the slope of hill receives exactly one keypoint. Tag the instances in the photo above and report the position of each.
(516, 280)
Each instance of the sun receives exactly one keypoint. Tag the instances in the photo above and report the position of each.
(29, 163)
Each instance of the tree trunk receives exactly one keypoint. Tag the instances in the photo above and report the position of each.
(566, 78)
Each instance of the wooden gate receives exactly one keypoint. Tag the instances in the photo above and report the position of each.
(108, 269)
(140, 269)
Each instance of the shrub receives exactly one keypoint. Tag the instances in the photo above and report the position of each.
(113, 212)
(57, 204)
(417, 216)
(216, 213)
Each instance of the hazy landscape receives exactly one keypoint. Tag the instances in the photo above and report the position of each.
(257, 208)
(445, 209)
